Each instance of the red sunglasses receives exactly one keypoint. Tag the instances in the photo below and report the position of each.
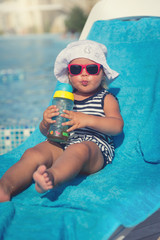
(76, 69)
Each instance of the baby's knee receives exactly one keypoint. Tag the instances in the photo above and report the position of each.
(82, 148)
(33, 154)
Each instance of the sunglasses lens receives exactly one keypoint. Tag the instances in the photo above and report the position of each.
(92, 69)
(75, 69)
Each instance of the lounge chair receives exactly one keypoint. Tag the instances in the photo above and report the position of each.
(108, 204)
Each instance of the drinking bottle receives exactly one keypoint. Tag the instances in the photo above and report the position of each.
(64, 100)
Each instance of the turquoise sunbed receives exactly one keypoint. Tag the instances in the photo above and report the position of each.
(123, 193)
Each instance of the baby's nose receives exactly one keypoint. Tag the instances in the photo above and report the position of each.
(84, 72)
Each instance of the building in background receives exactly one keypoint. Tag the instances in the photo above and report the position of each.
(38, 16)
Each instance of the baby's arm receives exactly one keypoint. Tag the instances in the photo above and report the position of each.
(48, 114)
(111, 124)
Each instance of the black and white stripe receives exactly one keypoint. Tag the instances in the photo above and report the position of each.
(93, 106)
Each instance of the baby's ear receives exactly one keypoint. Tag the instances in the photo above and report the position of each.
(104, 82)
(69, 77)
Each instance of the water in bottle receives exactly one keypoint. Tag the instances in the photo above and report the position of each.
(64, 101)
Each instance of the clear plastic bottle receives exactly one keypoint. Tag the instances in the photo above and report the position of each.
(64, 100)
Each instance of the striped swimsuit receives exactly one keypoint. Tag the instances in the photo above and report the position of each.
(93, 106)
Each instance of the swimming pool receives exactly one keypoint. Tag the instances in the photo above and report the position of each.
(26, 82)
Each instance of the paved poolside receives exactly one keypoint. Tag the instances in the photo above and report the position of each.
(147, 230)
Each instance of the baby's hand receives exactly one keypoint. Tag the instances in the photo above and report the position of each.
(48, 114)
(76, 120)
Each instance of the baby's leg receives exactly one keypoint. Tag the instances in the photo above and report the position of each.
(19, 176)
(78, 158)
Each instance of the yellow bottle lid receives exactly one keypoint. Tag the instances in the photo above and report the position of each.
(64, 94)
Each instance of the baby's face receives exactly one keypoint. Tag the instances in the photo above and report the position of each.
(85, 82)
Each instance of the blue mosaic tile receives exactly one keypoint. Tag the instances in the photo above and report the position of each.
(12, 137)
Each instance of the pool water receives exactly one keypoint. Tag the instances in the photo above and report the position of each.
(26, 77)
(26, 84)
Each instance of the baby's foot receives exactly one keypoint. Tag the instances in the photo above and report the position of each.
(43, 179)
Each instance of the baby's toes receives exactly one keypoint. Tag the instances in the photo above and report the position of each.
(47, 180)
(50, 184)
(45, 175)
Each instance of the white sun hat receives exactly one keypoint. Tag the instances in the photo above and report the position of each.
(92, 50)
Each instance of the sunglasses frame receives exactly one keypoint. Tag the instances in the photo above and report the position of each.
(85, 66)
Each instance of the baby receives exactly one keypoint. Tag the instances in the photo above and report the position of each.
(94, 121)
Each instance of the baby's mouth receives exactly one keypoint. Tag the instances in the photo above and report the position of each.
(84, 83)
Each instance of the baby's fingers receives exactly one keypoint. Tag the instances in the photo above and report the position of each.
(67, 114)
(72, 128)
(51, 115)
(68, 123)
(50, 120)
